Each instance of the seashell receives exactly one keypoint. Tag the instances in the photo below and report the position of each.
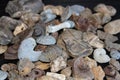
(112, 27)
(105, 9)
(56, 75)
(34, 6)
(39, 29)
(66, 24)
(81, 69)
(58, 10)
(67, 71)
(67, 12)
(115, 63)
(90, 62)
(26, 50)
(117, 77)
(86, 13)
(25, 66)
(100, 56)
(46, 40)
(106, 36)
(5, 35)
(47, 17)
(3, 75)
(115, 54)
(46, 78)
(3, 49)
(51, 53)
(12, 52)
(58, 64)
(98, 73)
(8, 67)
(72, 40)
(93, 40)
(42, 66)
(19, 28)
(9, 22)
(77, 9)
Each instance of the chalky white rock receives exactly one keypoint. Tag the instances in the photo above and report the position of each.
(101, 56)
(26, 50)
(66, 24)
(3, 75)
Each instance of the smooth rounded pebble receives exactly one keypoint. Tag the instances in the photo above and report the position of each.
(101, 56)
(115, 54)
(46, 40)
(112, 27)
(26, 50)
(3, 75)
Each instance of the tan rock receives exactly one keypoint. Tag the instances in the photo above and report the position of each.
(42, 66)
(98, 73)
(3, 49)
(67, 71)
(112, 27)
(46, 78)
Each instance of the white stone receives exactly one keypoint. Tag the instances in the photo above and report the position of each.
(26, 50)
(101, 56)
(3, 75)
(56, 75)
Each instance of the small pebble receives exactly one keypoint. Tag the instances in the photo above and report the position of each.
(46, 40)
(3, 75)
(3, 49)
(101, 56)
(115, 54)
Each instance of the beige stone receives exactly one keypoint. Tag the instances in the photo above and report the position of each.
(3, 49)
(98, 73)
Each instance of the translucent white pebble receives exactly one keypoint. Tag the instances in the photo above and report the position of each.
(101, 56)
(26, 50)
(3, 75)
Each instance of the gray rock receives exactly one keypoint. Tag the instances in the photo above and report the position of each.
(3, 75)
(115, 54)
(46, 40)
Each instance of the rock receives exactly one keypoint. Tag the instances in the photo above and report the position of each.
(25, 66)
(106, 36)
(105, 9)
(81, 69)
(66, 14)
(67, 71)
(71, 40)
(26, 50)
(77, 9)
(93, 40)
(51, 53)
(40, 47)
(9, 22)
(90, 62)
(115, 63)
(9, 67)
(46, 40)
(46, 78)
(3, 75)
(100, 56)
(3, 49)
(5, 35)
(98, 73)
(12, 52)
(42, 66)
(115, 54)
(56, 75)
(58, 64)
(112, 27)
(34, 6)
